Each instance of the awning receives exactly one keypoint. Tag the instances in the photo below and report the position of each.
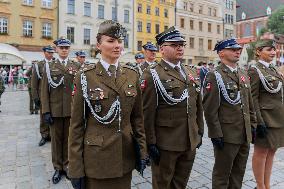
(10, 55)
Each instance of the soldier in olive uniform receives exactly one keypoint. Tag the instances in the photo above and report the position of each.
(267, 94)
(33, 107)
(150, 51)
(139, 57)
(56, 96)
(230, 116)
(173, 114)
(107, 119)
(81, 57)
(36, 88)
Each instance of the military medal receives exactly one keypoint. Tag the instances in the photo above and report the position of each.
(198, 89)
(98, 107)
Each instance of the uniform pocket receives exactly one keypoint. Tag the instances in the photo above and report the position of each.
(94, 141)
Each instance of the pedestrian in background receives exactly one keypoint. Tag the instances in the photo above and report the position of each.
(2, 87)
(150, 53)
(106, 129)
(33, 108)
(230, 116)
(267, 92)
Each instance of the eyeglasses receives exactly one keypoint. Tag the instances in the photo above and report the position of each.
(64, 47)
(176, 45)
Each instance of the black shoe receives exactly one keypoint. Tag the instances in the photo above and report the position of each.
(48, 139)
(36, 112)
(65, 173)
(56, 177)
(42, 141)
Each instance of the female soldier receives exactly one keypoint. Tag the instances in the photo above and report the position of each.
(107, 119)
(267, 93)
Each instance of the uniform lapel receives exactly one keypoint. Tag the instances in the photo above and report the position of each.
(104, 77)
(268, 71)
(171, 71)
(120, 77)
(59, 66)
(229, 73)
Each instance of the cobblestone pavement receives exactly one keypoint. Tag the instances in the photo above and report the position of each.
(24, 165)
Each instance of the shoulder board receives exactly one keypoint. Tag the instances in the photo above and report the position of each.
(89, 67)
(129, 67)
(153, 65)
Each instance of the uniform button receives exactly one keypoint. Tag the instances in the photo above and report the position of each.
(88, 142)
(129, 93)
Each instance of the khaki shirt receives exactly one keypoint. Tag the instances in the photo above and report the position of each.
(233, 122)
(172, 127)
(97, 150)
(269, 107)
(57, 101)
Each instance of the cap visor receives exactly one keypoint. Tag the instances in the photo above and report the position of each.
(175, 39)
(237, 46)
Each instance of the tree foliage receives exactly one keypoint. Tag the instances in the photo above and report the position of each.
(276, 21)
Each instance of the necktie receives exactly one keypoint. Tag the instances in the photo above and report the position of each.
(178, 70)
(112, 71)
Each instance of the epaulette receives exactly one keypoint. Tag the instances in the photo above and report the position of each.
(130, 67)
(89, 67)
(153, 65)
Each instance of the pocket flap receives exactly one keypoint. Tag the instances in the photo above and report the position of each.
(131, 92)
(267, 106)
(94, 141)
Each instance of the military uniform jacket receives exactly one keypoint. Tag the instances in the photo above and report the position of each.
(232, 122)
(170, 126)
(101, 151)
(35, 80)
(268, 106)
(57, 101)
(29, 74)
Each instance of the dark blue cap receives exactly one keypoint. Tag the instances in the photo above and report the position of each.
(62, 42)
(48, 48)
(80, 53)
(139, 56)
(227, 44)
(150, 46)
(170, 35)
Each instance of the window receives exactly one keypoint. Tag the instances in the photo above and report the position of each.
(226, 18)
(87, 9)
(184, 5)
(182, 22)
(244, 15)
(210, 11)
(166, 27)
(3, 25)
(215, 12)
(126, 16)
(209, 44)
(200, 10)
(28, 2)
(247, 30)
(191, 7)
(114, 13)
(148, 28)
(259, 26)
(209, 27)
(232, 19)
(191, 24)
(71, 7)
(200, 44)
(87, 36)
(166, 13)
(27, 28)
(139, 26)
(71, 34)
(46, 29)
(139, 8)
(139, 45)
(200, 26)
(268, 11)
(101, 11)
(191, 42)
(157, 11)
(231, 5)
(157, 28)
(148, 10)
(126, 41)
(46, 3)
(218, 29)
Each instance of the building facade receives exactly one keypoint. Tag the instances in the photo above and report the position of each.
(151, 17)
(79, 21)
(202, 25)
(28, 24)
(229, 14)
